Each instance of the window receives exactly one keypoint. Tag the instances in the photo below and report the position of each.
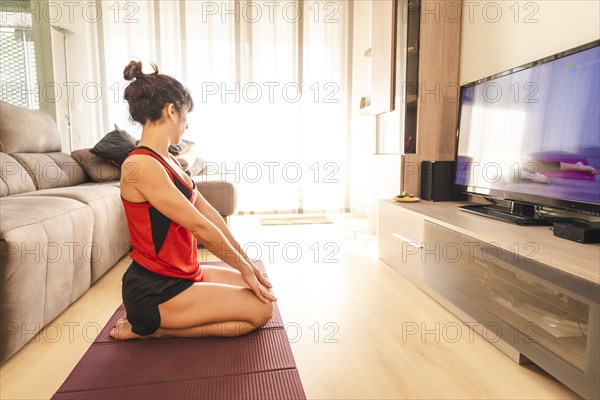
(17, 52)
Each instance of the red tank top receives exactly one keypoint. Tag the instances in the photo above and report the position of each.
(160, 244)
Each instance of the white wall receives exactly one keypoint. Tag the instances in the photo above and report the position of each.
(362, 136)
(499, 35)
(84, 74)
(372, 176)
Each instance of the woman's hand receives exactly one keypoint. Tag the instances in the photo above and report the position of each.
(256, 282)
(260, 277)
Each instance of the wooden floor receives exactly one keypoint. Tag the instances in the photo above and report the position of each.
(358, 329)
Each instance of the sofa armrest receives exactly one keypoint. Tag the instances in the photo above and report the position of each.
(220, 194)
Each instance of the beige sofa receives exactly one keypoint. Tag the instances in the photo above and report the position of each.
(59, 231)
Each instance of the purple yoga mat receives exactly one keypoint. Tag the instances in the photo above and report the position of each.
(259, 365)
(139, 362)
(570, 175)
(271, 385)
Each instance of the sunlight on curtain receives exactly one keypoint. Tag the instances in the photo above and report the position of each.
(269, 83)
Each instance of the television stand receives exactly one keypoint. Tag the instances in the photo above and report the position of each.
(520, 214)
(534, 296)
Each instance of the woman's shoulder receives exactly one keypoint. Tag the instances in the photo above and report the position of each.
(141, 163)
(141, 159)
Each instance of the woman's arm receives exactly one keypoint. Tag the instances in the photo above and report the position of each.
(145, 179)
(207, 210)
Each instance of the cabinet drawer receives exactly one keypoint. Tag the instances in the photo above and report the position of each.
(546, 315)
(400, 239)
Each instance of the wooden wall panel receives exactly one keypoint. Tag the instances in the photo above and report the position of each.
(439, 55)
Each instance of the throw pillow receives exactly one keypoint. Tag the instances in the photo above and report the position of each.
(186, 160)
(115, 146)
(182, 147)
(97, 168)
(197, 167)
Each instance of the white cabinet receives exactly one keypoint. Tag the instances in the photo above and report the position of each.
(382, 56)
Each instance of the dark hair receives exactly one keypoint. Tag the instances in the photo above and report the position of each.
(148, 94)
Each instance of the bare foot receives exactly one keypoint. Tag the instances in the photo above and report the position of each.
(122, 331)
(578, 167)
(585, 168)
(535, 177)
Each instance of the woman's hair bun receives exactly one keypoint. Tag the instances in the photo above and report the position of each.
(133, 70)
(148, 94)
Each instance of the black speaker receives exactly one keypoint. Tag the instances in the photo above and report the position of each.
(577, 231)
(437, 182)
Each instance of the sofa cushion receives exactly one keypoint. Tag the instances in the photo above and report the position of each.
(44, 263)
(27, 131)
(110, 239)
(50, 170)
(96, 167)
(93, 184)
(14, 179)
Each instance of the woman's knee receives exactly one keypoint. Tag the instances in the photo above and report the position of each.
(262, 314)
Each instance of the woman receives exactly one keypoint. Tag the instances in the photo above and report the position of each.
(165, 291)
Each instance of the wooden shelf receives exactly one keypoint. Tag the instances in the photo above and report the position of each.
(439, 49)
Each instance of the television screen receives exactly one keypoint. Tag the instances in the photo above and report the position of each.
(533, 134)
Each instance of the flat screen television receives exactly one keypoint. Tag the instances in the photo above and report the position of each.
(530, 136)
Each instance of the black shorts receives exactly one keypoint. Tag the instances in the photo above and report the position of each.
(143, 291)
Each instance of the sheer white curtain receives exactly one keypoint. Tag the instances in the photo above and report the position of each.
(269, 80)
